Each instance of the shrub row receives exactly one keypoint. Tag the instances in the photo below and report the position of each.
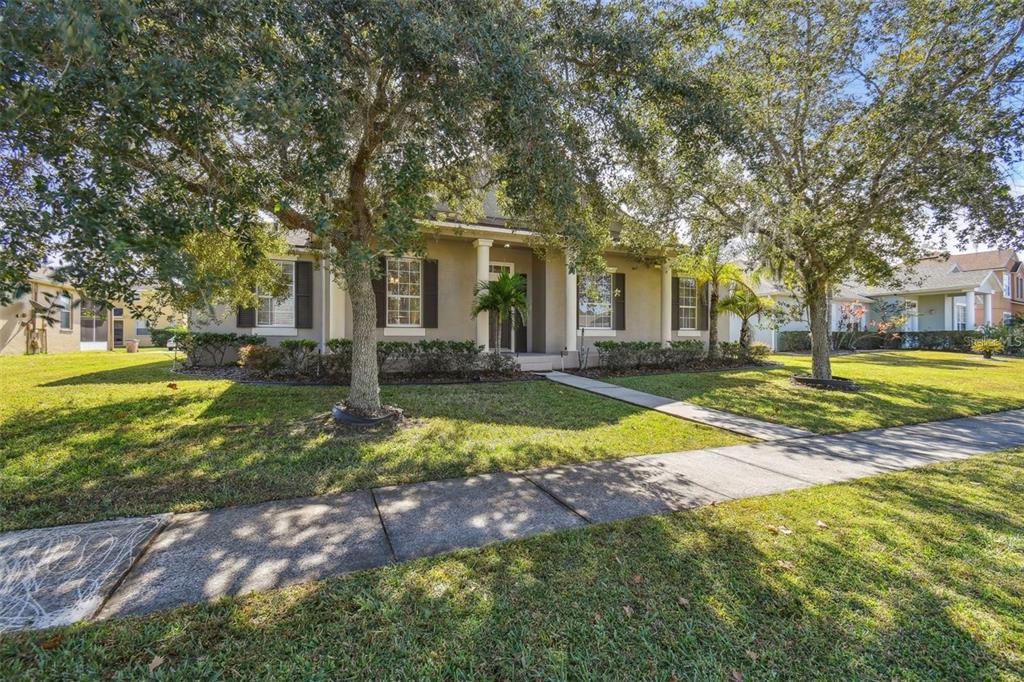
(867, 340)
(625, 355)
(160, 337)
(299, 357)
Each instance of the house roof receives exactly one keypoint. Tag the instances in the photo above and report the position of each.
(932, 274)
(983, 260)
(846, 292)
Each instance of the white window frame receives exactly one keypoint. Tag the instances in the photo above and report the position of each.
(142, 327)
(683, 306)
(64, 308)
(1020, 288)
(1007, 317)
(492, 275)
(278, 306)
(1008, 285)
(389, 296)
(588, 284)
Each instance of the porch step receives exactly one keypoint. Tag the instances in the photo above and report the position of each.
(538, 362)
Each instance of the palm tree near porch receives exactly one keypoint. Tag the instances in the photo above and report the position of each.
(503, 298)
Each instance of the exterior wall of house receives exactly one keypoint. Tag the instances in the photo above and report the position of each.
(931, 313)
(12, 336)
(136, 327)
(223, 319)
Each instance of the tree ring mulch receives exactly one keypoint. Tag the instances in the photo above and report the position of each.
(342, 414)
(833, 384)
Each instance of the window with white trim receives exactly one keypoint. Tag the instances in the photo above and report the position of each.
(1007, 317)
(687, 303)
(141, 327)
(495, 269)
(64, 311)
(1007, 285)
(595, 302)
(1020, 288)
(278, 312)
(404, 292)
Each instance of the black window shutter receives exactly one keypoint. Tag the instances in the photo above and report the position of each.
(380, 293)
(430, 294)
(702, 308)
(303, 294)
(246, 318)
(619, 300)
(675, 303)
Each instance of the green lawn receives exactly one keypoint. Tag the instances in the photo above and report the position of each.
(898, 388)
(94, 435)
(915, 575)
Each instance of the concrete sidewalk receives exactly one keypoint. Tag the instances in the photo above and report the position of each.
(205, 555)
(747, 426)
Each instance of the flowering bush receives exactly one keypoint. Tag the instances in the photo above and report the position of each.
(987, 347)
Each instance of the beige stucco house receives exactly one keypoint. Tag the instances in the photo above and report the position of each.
(431, 297)
(78, 324)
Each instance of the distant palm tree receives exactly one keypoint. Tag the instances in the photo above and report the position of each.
(745, 304)
(504, 298)
(711, 270)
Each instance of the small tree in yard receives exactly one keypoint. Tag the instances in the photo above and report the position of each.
(861, 126)
(132, 131)
(746, 305)
(712, 271)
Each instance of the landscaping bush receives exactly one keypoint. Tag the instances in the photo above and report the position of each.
(794, 342)
(299, 356)
(941, 340)
(388, 351)
(987, 347)
(337, 362)
(457, 358)
(160, 337)
(498, 363)
(211, 348)
(1010, 335)
(758, 353)
(621, 355)
(262, 360)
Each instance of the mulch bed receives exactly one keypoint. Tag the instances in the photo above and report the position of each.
(241, 376)
(601, 373)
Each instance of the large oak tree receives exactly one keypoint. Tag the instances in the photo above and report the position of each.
(856, 128)
(140, 139)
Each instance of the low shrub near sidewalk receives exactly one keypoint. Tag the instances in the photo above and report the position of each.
(626, 356)
(211, 349)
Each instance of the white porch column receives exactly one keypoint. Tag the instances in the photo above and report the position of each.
(570, 309)
(483, 274)
(970, 310)
(666, 304)
(988, 308)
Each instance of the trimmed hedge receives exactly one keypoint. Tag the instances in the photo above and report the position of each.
(959, 341)
(160, 337)
(624, 355)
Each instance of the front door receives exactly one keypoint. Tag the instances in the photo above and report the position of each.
(504, 334)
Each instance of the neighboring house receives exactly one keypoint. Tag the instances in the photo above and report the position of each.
(961, 291)
(941, 293)
(848, 297)
(79, 325)
(431, 297)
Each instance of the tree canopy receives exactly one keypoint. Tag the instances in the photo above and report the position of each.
(856, 128)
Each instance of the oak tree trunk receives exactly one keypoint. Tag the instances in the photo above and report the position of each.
(713, 350)
(821, 346)
(364, 394)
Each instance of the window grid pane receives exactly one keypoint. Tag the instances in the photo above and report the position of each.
(280, 312)
(687, 303)
(404, 290)
(595, 302)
